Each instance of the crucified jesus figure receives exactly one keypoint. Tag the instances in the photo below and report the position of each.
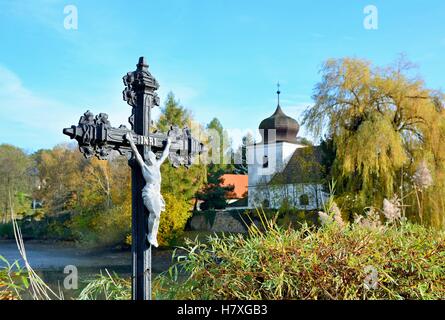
(151, 193)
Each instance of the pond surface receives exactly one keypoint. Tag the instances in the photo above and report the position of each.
(50, 259)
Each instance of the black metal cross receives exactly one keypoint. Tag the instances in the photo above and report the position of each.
(96, 137)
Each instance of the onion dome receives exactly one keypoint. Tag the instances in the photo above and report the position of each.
(286, 128)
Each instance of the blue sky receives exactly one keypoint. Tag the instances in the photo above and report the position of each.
(221, 58)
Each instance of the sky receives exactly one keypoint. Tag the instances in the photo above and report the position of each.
(221, 58)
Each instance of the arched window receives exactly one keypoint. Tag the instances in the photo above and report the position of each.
(304, 200)
(265, 161)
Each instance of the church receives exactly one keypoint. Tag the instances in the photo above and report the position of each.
(282, 171)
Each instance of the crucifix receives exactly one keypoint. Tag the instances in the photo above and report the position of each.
(146, 152)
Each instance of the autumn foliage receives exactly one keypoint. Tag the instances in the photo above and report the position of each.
(384, 124)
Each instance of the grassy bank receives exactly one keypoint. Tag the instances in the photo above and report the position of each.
(403, 261)
(336, 261)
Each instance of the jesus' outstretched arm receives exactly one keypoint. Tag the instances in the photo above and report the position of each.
(139, 159)
(166, 151)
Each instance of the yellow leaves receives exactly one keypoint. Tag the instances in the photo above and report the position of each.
(374, 149)
(383, 121)
(60, 177)
(375, 152)
(356, 75)
(128, 239)
(173, 219)
(69, 181)
(97, 182)
(6, 294)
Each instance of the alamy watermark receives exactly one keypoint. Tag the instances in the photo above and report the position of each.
(71, 21)
(71, 281)
(371, 20)
(219, 150)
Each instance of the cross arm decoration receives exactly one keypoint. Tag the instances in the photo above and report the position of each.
(96, 137)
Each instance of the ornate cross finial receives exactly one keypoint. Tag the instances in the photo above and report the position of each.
(142, 64)
(137, 82)
(278, 92)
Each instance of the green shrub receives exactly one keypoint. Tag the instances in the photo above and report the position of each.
(6, 231)
(100, 227)
(331, 262)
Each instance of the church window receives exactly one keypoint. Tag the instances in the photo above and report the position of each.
(265, 162)
(304, 200)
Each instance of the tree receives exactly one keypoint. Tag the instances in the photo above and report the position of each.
(180, 182)
(61, 180)
(328, 158)
(241, 155)
(220, 146)
(121, 180)
(173, 114)
(214, 194)
(15, 182)
(97, 182)
(220, 154)
(382, 121)
(180, 185)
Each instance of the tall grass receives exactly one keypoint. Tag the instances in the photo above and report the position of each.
(30, 281)
(106, 287)
(332, 262)
(370, 259)
(13, 280)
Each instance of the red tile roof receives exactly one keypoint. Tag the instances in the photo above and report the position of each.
(240, 182)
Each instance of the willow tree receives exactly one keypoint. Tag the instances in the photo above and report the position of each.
(383, 122)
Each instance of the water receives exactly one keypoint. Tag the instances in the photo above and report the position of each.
(50, 259)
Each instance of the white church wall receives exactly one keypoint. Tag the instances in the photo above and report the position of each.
(278, 156)
(275, 196)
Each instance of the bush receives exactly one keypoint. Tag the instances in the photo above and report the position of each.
(6, 231)
(173, 220)
(53, 228)
(103, 228)
(332, 262)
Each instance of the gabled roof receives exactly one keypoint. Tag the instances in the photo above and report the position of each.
(305, 166)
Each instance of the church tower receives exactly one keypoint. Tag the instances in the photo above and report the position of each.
(270, 156)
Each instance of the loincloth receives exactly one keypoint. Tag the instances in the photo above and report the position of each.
(153, 199)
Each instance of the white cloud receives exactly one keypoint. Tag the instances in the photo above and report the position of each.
(28, 119)
(21, 104)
